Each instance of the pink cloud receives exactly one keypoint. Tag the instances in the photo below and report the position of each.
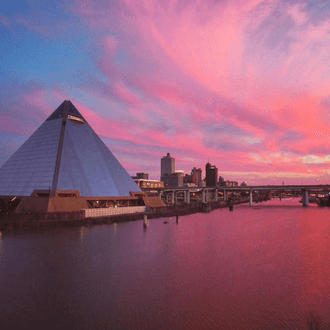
(241, 82)
(111, 45)
(39, 99)
(9, 124)
(126, 95)
(297, 13)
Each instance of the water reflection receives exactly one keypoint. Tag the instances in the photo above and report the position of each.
(145, 223)
(82, 233)
(264, 268)
(114, 227)
(314, 242)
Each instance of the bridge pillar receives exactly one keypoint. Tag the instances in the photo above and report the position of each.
(172, 198)
(187, 196)
(203, 196)
(251, 198)
(216, 195)
(305, 197)
(225, 195)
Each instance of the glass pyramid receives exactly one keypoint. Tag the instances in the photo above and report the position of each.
(64, 153)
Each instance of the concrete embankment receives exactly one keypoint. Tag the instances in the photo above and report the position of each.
(35, 221)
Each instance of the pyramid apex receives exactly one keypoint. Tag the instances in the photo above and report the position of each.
(68, 106)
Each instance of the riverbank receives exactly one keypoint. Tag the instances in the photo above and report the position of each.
(36, 221)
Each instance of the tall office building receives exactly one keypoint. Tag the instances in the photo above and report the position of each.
(168, 174)
(211, 175)
(196, 176)
(167, 165)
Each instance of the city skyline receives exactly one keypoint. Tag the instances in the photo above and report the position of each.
(242, 84)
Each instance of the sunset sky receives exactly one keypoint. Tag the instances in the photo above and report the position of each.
(243, 84)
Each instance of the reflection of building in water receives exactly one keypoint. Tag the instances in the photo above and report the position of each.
(145, 222)
(82, 233)
(114, 227)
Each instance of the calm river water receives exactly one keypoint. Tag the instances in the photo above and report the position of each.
(266, 267)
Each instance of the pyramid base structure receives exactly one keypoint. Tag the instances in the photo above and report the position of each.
(42, 201)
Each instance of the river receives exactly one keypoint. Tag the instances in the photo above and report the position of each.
(265, 267)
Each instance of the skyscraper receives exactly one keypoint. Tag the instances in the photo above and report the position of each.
(167, 165)
(168, 174)
(197, 175)
(211, 175)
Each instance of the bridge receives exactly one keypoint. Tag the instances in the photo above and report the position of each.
(211, 194)
(304, 189)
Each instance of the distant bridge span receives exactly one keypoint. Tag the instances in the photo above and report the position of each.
(303, 188)
(278, 187)
(211, 193)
